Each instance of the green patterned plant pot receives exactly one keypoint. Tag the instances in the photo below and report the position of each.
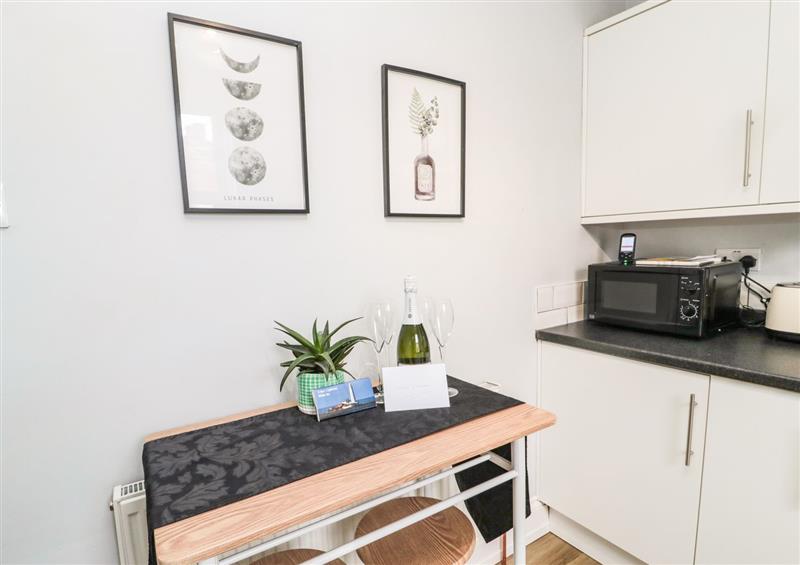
(306, 382)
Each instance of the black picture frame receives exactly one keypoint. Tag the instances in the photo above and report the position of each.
(172, 18)
(385, 70)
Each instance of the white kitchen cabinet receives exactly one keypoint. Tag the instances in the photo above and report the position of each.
(691, 110)
(750, 508)
(780, 176)
(616, 460)
(668, 94)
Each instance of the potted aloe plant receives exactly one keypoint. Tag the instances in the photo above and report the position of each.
(318, 361)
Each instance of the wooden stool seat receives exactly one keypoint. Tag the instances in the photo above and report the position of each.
(446, 538)
(292, 557)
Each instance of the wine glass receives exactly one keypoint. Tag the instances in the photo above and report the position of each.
(380, 320)
(440, 317)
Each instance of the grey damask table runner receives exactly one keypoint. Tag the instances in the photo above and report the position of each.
(194, 472)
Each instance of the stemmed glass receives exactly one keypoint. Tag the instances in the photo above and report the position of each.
(380, 320)
(440, 317)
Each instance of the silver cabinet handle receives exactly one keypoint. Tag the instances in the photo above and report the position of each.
(689, 451)
(748, 130)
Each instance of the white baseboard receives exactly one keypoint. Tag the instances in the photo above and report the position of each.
(588, 542)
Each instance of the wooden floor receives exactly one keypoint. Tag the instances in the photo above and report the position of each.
(552, 550)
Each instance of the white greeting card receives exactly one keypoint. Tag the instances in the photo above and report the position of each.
(415, 387)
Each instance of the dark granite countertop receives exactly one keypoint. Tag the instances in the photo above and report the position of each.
(745, 354)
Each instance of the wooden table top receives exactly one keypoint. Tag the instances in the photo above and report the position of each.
(234, 525)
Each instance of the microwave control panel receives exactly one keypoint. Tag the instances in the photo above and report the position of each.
(689, 299)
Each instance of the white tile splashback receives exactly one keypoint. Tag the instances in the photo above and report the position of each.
(566, 295)
(558, 304)
(544, 298)
(575, 313)
(551, 318)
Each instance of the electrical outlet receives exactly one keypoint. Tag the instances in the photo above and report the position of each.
(734, 254)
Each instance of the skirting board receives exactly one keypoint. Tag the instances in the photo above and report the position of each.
(588, 542)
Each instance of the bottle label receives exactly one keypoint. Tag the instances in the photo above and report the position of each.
(411, 317)
(424, 178)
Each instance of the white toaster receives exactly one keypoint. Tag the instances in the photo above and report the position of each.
(783, 312)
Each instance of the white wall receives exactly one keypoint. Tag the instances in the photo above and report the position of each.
(122, 316)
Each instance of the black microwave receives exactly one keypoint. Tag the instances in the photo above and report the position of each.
(690, 301)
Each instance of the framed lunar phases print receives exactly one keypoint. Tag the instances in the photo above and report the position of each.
(424, 133)
(240, 116)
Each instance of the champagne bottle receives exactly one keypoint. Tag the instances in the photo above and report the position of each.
(412, 343)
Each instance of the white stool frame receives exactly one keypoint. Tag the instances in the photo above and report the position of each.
(515, 472)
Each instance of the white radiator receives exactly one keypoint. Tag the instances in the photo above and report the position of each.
(130, 520)
(128, 504)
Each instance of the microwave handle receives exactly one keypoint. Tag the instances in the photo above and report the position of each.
(712, 307)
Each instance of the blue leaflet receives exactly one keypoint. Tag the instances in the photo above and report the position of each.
(345, 398)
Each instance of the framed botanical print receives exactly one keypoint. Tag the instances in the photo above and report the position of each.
(240, 118)
(424, 134)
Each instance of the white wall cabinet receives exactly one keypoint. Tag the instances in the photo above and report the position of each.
(616, 460)
(780, 176)
(668, 89)
(750, 509)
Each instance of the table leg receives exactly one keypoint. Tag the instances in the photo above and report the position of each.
(518, 488)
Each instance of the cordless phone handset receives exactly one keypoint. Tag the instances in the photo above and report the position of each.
(627, 248)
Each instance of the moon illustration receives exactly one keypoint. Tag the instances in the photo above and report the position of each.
(241, 89)
(247, 166)
(239, 66)
(244, 124)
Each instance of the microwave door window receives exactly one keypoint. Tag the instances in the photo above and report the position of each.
(644, 300)
(628, 296)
